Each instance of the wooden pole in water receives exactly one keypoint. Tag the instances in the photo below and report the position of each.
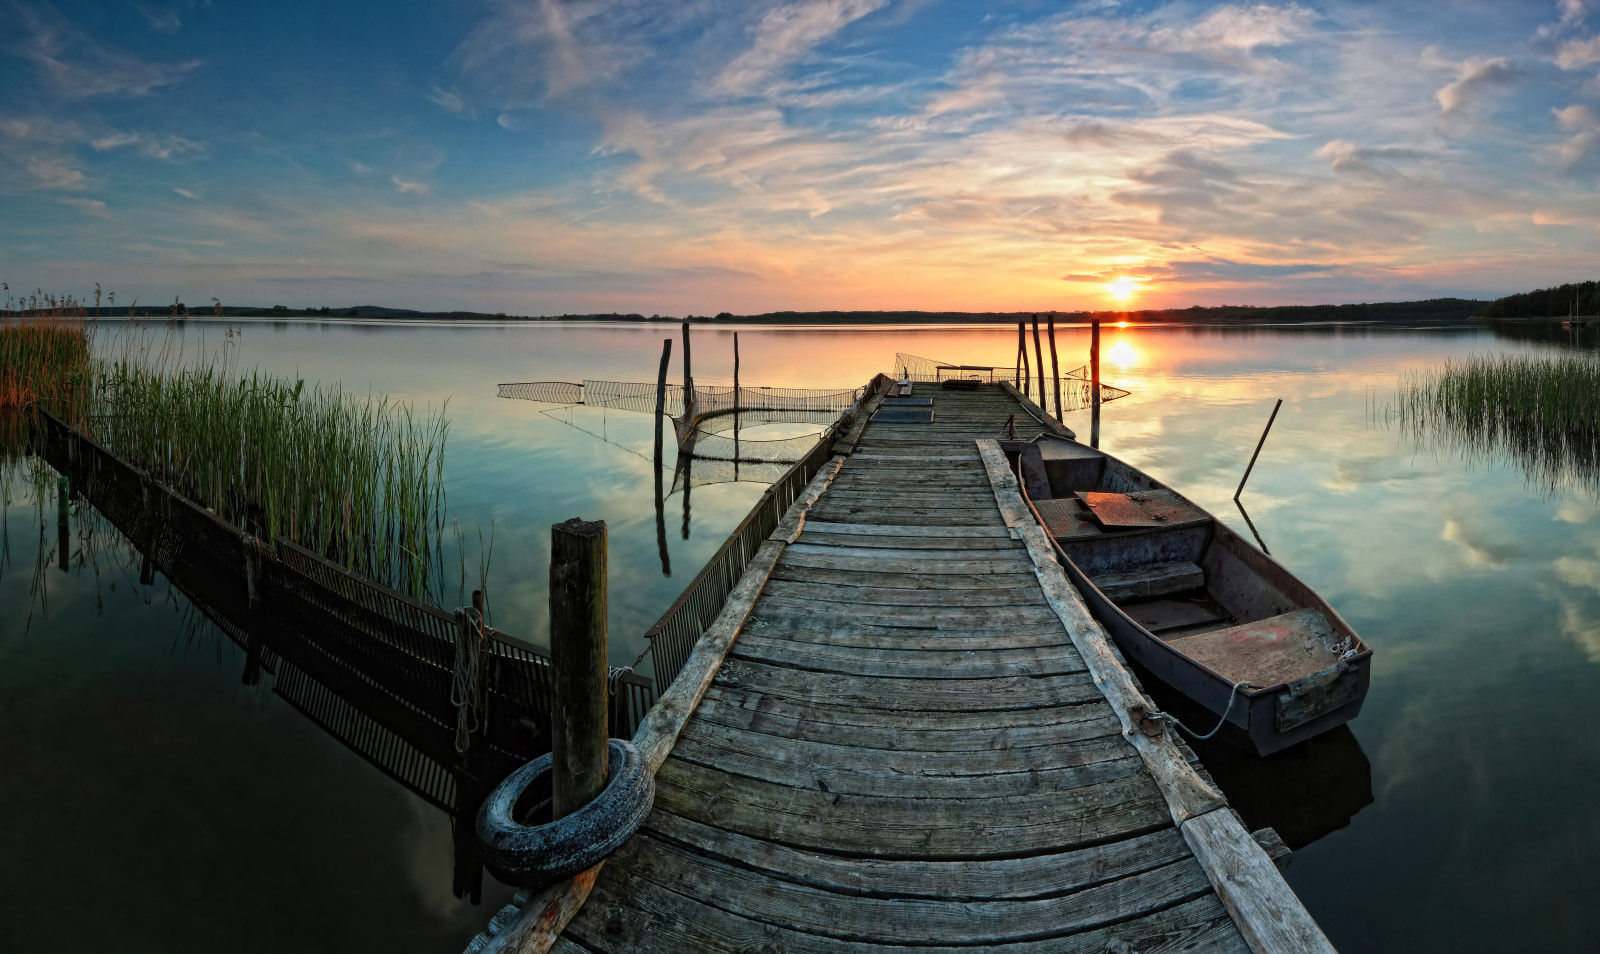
(1253, 457)
(1022, 354)
(579, 747)
(1094, 384)
(1055, 368)
(736, 405)
(1027, 369)
(1038, 360)
(661, 392)
(688, 376)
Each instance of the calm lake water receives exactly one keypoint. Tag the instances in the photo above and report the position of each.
(154, 803)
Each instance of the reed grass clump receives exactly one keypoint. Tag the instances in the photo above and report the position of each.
(44, 349)
(1542, 412)
(356, 479)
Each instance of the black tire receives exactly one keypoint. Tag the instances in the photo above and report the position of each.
(537, 856)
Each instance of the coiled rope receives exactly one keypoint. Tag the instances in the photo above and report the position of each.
(467, 690)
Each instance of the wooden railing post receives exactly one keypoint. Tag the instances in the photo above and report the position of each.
(1094, 385)
(1055, 368)
(580, 732)
(1038, 359)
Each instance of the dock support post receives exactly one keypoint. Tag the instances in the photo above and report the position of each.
(661, 391)
(1094, 385)
(63, 520)
(736, 405)
(579, 756)
(1027, 370)
(1038, 360)
(252, 611)
(1253, 457)
(1055, 368)
(688, 378)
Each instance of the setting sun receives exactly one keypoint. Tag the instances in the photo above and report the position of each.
(1122, 287)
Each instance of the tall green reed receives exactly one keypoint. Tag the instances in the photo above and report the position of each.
(1541, 412)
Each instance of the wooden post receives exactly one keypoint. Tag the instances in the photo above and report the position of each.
(1094, 384)
(1263, 440)
(661, 393)
(579, 734)
(1022, 356)
(1055, 368)
(1038, 360)
(736, 405)
(1027, 369)
(688, 376)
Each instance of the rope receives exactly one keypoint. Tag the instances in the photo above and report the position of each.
(1232, 694)
(467, 690)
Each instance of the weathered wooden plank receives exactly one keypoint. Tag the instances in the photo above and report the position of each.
(864, 594)
(940, 617)
(761, 897)
(631, 913)
(830, 633)
(909, 731)
(1267, 912)
(876, 692)
(951, 547)
(887, 827)
(851, 770)
(904, 561)
(1035, 876)
(964, 533)
(1149, 582)
(900, 581)
(910, 663)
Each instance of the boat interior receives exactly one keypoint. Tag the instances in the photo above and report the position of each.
(1178, 573)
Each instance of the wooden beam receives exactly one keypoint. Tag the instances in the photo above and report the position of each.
(578, 664)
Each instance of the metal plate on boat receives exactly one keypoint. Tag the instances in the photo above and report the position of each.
(1152, 508)
(902, 415)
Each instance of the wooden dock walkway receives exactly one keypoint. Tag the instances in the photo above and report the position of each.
(904, 746)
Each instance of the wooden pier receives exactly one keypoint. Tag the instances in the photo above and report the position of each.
(905, 731)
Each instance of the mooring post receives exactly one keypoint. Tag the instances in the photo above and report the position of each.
(579, 756)
(688, 377)
(1094, 384)
(736, 405)
(1038, 359)
(252, 610)
(1253, 457)
(1055, 368)
(661, 392)
(1022, 356)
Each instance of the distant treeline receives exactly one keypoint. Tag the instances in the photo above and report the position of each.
(1436, 309)
(1554, 302)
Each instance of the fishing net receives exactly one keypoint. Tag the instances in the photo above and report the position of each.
(1076, 388)
(641, 397)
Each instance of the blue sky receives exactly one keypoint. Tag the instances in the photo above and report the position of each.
(560, 156)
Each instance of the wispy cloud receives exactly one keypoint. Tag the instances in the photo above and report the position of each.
(77, 66)
(161, 20)
(91, 207)
(787, 33)
(408, 187)
(451, 103)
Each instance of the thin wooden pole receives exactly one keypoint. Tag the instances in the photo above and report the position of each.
(1055, 368)
(736, 405)
(1038, 359)
(1094, 384)
(63, 522)
(661, 394)
(579, 746)
(1022, 356)
(1027, 368)
(688, 376)
(1263, 440)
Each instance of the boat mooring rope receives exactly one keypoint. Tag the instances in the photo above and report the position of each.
(1232, 694)
(467, 690)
